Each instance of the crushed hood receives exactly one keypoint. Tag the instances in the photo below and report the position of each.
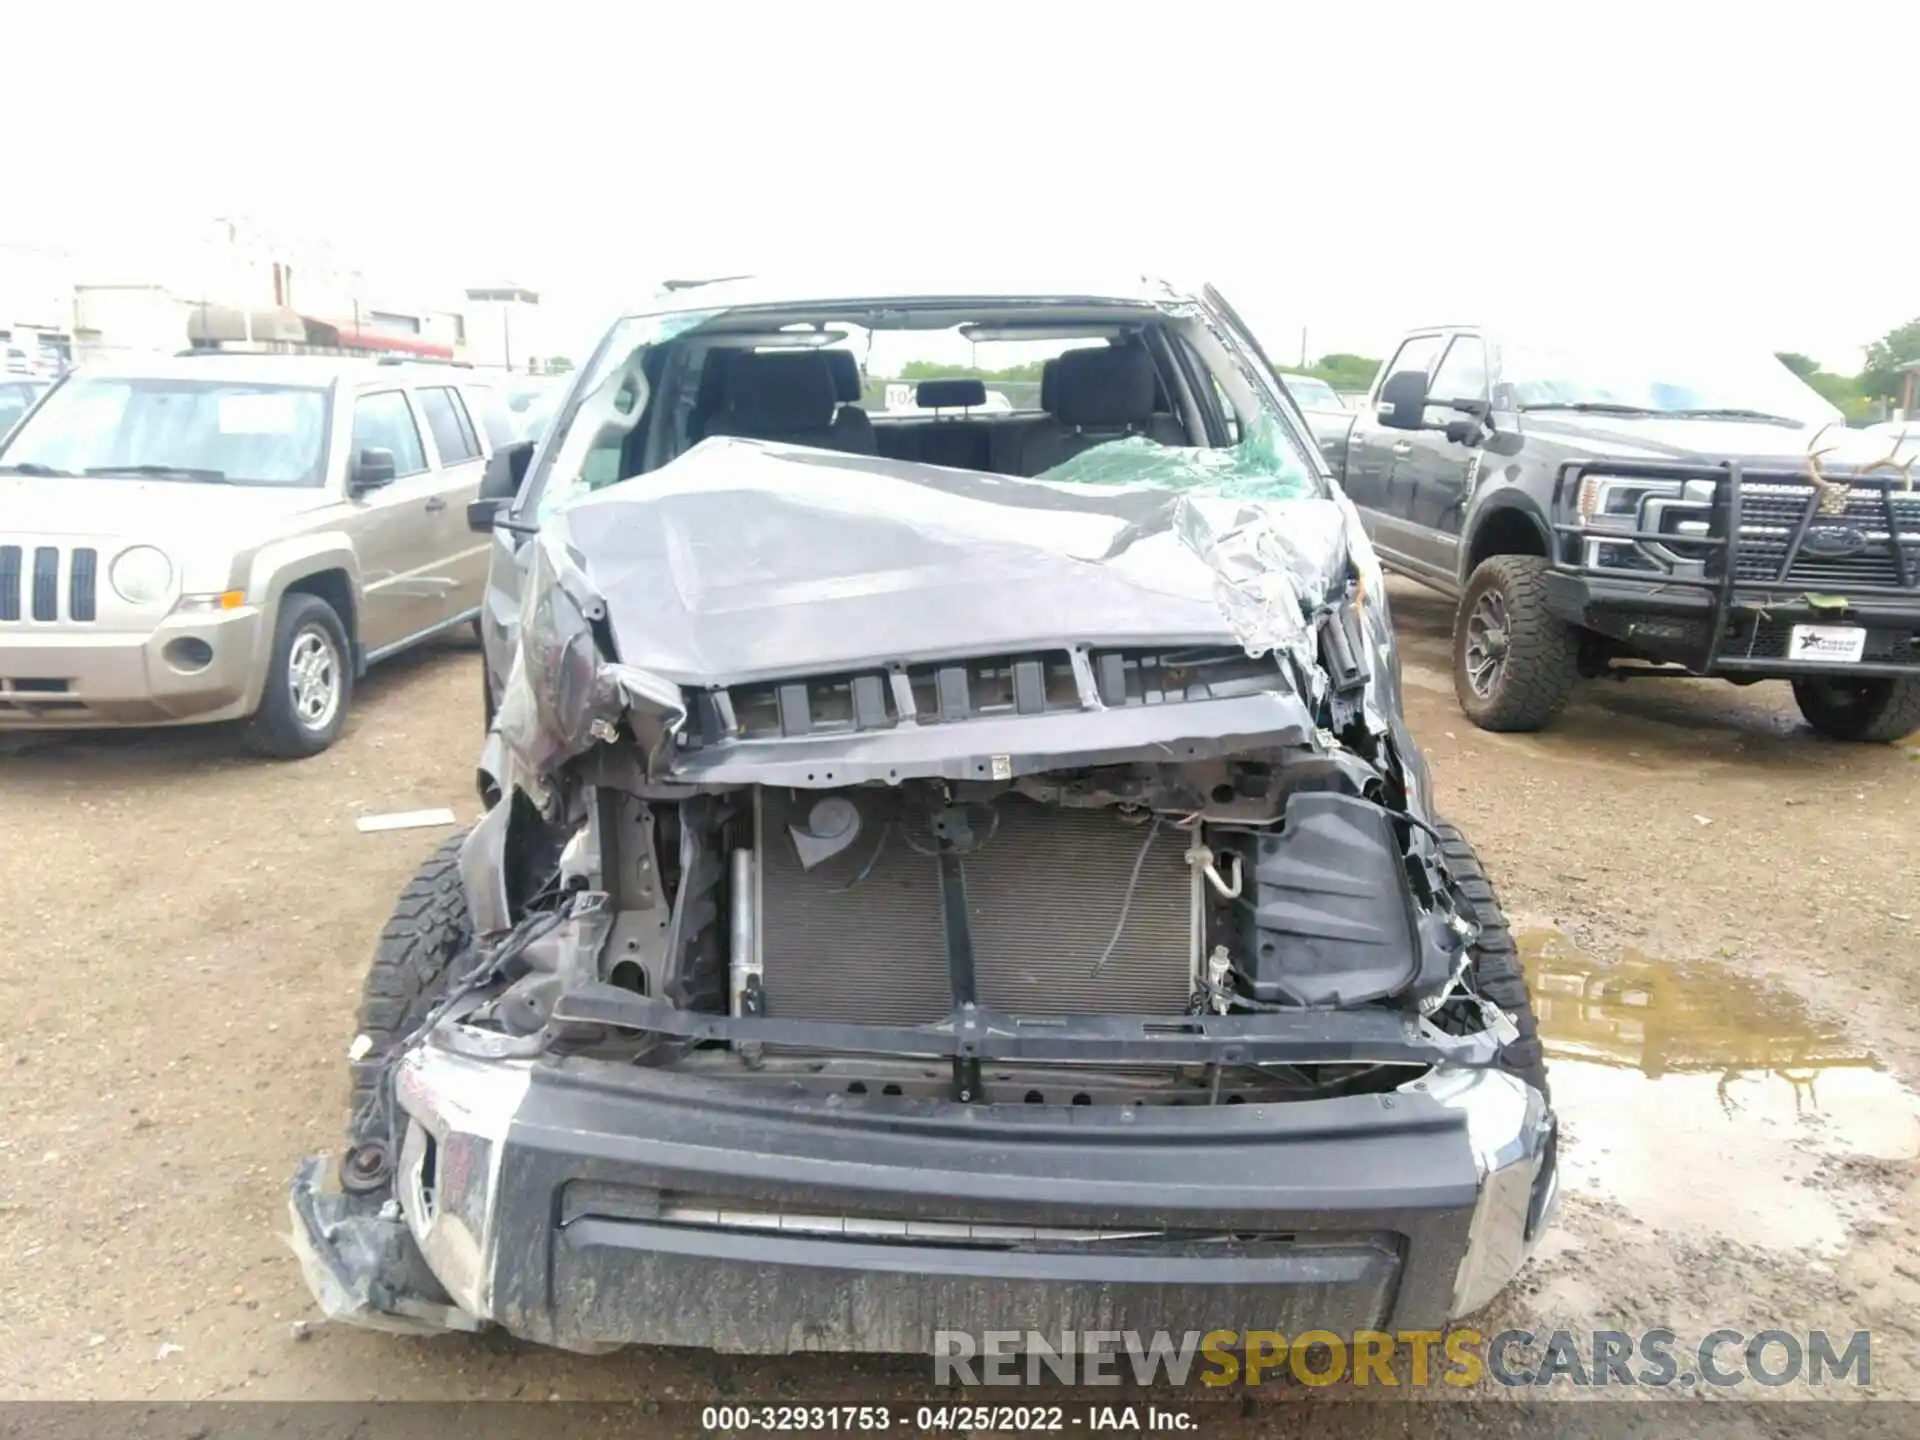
(747, 559)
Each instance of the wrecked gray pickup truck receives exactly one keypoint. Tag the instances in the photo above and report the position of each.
(944, 873)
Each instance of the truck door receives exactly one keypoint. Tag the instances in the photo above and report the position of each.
(1375, 454)
(1434, 479)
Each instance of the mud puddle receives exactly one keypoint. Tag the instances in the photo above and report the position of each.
(1695, 1099)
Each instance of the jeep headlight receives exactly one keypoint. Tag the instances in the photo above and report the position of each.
(140, 575)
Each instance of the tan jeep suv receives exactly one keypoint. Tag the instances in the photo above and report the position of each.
(224, 537)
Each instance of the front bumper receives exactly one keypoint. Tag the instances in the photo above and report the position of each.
(1744, 635)
(586, 1205)
(72, 678)
(1751, 571)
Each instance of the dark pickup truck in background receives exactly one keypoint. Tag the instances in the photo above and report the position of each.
(1610, 509)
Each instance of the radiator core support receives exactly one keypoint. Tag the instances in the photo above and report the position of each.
(861, 937)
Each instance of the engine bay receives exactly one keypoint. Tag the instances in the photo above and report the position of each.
(803, 939)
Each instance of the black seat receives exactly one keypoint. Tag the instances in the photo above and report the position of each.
(850, 422)
(1099, 395)
(786, 397)
(955, 441)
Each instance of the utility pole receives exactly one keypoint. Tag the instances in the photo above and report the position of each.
(506, 333)
(1303, 347)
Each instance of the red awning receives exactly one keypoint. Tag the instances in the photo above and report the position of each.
(351, 339)
(345, 337)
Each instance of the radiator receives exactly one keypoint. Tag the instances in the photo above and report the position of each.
(859, 937)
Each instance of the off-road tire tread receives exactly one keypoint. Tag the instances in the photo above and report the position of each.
(1543, 651)
(1894, 721)
(413, 962)
(271, 730)
(1496, 959)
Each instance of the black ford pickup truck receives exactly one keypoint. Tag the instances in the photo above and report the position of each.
(1633, 510)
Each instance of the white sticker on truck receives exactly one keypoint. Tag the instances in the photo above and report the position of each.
(1839, 644)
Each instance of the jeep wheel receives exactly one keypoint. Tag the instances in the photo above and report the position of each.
(1881, 711)
(1514, 664)
(413, 963)
(1496, 960)
(309, 682)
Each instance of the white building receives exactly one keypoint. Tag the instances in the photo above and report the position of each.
(36, 307)
(239, 285)
(506, 327)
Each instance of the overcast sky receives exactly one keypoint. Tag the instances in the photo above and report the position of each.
(1347, 169)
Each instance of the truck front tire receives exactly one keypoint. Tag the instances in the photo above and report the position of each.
(1877, 711)
(1497, 973)
(413, 966)
(1514, 663)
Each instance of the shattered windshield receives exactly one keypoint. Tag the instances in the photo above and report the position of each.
(1262, 466)
(1105, 395)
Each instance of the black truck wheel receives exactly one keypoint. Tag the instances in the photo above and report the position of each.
(1496, 960)
(1879, 711)
(303, 705)
(413, 963)
(1514, 663)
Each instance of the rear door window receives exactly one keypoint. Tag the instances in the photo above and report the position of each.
(384, 421)
(452, 431)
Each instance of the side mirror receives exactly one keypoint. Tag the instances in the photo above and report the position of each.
(1403, 400)
(482, 513)
(506, 468)
(372, 468)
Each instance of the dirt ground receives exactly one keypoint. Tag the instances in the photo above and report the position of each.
(1719, 908)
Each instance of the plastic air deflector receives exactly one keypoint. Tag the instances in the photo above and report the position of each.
(1333, 922)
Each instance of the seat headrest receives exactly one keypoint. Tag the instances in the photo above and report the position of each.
(1106, 387)
(846, 375)
(1049, 384)
(779, 391)
(949, 394)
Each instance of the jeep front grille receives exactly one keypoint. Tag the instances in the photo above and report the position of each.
(33, 580)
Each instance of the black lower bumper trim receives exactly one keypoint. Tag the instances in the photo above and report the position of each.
(759, 1293)
(1340, 1214)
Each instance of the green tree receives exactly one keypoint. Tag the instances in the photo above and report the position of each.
(1341, 371)
(934, 370)
(1881, 377)
(1842, 391)
(559, 365)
